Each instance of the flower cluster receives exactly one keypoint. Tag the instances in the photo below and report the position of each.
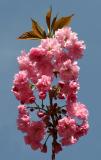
(50, 71)
(34, 130)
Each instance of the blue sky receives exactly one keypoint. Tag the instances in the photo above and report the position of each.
(14, 19)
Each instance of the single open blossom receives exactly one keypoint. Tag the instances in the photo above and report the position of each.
(22, 110)
(67, 129)
(44, 84)
(70, 131)
(69, 71)
(26, 65)
(70, 43)
(37, 54)
(23, 120)
(35, 134)
(24, 61)
(22, 89)
(63, 36)
(77, 49)
(66, 126)
(34, 144)
(82, 129)
(45, 67)
(59, 60)
(23, 123)
(68, 140)
(20, 79)
(37, 130)
(51, 45)
(73, 86)
(78, 110)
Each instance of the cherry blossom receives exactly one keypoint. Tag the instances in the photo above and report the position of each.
(47, 85)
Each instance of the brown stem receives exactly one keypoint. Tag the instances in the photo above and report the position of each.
(54, 128)
(42, 104)
(54, 137)
(53, 152)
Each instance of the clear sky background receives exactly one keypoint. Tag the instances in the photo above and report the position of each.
(14, 19)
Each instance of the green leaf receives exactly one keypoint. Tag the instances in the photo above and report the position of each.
(48, 18)
(63, 21)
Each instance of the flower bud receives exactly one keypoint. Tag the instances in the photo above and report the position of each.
(61, 84)
(40, 114)
(32, 99)
(42, 95)
(57, 147)
(44, 148)
(61, 96)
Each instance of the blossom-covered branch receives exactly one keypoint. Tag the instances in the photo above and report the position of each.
(47, 85)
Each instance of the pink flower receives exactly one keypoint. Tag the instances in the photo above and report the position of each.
(66, 127)
(63, 88)
(71, 98)
(23, 120)
(82, 129)
(63, 36)
(68, 89)
(35, 144)
(61, 84)
(26, 64)
(59, 60)
(78, 110)
(44, 83)
(51, 45)
(35, 134)
(24, 61)
(42, 95)
(75, 70)
(45, 67)
(73, 87)
(22, 89)
(77, 49)
(69, 71)
(37, 54)
(27, 139)
(36, 130)
(70, 43)
(61, 95)
(23, 123)
(66, 130)
(69, 140)
(20, 78)
(22, 110)
(40, 114)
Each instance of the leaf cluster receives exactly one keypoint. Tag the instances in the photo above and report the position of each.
(54, 24)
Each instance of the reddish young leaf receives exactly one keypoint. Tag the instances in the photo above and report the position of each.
(37, 29)
(28, 36)
(48, 18)
(63, 21)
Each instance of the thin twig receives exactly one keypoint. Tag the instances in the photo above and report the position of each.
(47, 139)
(42, 104)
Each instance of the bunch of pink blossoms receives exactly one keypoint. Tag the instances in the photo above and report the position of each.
(47, 85)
